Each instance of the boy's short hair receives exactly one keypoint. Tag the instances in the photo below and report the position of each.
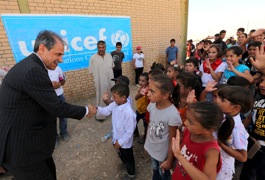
(217, 35)
(121, 89)
(241, 29)
(122, 79)
(252, 30)
(255, 44)
(238, 81)
(172, 40)
(233, 42)
(208, 42)
(194, 61)
(118, 44)
(222, 31)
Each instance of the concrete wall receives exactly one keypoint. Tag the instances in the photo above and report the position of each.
(154, 23)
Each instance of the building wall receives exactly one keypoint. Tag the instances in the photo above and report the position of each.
(154, 23)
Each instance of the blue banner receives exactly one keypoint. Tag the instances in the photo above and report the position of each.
(80, 32)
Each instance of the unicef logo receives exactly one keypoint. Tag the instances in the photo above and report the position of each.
(120, 36)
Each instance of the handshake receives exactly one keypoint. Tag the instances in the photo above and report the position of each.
(92, 111)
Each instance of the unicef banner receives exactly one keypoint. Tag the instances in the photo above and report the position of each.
(80, 32)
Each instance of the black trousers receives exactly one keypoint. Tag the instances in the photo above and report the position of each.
(138, 117)
(117, 72)
(127, 158)
(253, 169)
(138, 72)
(44, 170)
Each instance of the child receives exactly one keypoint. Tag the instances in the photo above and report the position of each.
(211, 87)
(107, 100)
(212, 68)
(188, 49)
(164, 121)
(240, 31)
(123, 124)
(240, 39)
(191, 65)
(254, 167)
(172, 53)
(58, 79)
(118, 57)
(228, 43)
(238, 81)
(251, 54)
(187, 82)
(157, 66)
(233, 100)
(258, 63)
(172, 73)
(233, 55)
(255, 35)
(152, 72)
(142, 102)
(199, 155)
(138, 64)
(121, 79)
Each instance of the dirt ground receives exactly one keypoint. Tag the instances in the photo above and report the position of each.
(86, 157)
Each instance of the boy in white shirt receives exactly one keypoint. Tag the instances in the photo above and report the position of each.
(58, 80)
(123, 124)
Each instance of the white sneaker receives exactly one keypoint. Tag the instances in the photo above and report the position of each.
(128, 177)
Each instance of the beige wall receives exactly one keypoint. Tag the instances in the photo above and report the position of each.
(154, 23)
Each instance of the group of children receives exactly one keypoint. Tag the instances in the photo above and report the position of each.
(196, 118)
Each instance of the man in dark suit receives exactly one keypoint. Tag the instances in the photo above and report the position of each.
(28, 110)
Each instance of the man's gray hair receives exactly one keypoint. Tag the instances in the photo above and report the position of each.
(48, 38)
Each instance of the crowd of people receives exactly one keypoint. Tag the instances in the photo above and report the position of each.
(209, 104)
(202, 120)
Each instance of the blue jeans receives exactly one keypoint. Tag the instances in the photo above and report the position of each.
(63, 121)
(157, 171)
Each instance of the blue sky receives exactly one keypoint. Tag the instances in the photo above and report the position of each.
(208, 17)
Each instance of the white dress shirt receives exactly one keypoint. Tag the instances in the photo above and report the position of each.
(123, 122)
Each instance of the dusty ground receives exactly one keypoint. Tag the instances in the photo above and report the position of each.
(86, 157)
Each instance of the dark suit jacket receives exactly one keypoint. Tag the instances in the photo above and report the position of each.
(28, 110)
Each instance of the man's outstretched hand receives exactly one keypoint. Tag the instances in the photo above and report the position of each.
(92, 111)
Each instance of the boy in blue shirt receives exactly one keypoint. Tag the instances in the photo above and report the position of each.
(172, 53)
